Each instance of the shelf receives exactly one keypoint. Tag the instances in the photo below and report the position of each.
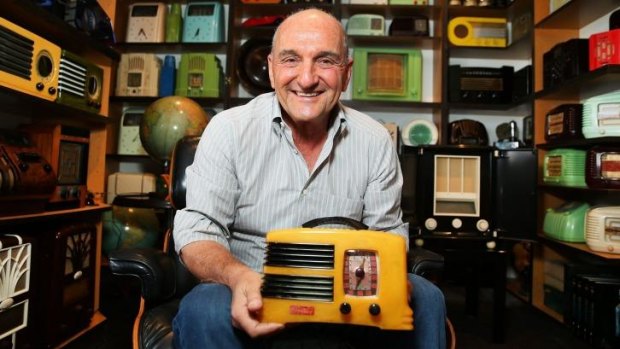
(580, 143)
(520, 108)
(577, 14)
(599, 81)
(521, 49)
(49, 215)
(420, 42)
(52, 28)
(204, 101)
(433, 12)
(259, 10)
(393, 105)
(171, 48)
(581, 247)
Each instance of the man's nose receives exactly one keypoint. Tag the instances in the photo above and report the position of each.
(307, 75)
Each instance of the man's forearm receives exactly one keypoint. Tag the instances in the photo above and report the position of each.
(211, 262)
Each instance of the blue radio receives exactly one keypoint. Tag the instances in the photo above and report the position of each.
(203, 22)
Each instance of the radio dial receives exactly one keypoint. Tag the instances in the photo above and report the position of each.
(482, 225)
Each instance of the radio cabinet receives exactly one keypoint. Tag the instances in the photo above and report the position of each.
(15, 272)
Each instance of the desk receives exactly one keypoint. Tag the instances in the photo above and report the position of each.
(470, 262)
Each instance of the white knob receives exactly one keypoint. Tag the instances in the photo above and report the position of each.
(457, 223)
(430, 224)
(77, 275)
(6, 304)
(419, 242)
(491, 245)
(482, 225)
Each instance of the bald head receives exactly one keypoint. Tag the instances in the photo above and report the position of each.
(311, 19)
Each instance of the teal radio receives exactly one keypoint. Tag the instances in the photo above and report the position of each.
(601, 116)
(389, 74)
(565, 167)
(203, 22)
(567, 222)
(366, 24)
(199, 75)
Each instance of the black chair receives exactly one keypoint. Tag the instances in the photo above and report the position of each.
(164, 280)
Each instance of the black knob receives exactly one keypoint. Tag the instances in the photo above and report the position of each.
(374, 309)
(345, 308)
(23, 166)
(39, 86)
(359, 273)
(52, 90)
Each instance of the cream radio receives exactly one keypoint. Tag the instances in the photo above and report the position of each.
(369, 2)
(138, 75)
(602, 229)
(366, 24)
(147, 22)
(478, 31)
(28, 63)
(326, 275)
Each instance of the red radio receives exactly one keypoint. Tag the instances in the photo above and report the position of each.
(604, 49)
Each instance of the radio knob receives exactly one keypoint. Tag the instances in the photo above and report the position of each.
(482, 225)
(374, 309)
(430, 224)
(457, 223)
(345, 308)
(40, 86)
(51, 90)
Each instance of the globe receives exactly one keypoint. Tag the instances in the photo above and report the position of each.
(166, 121)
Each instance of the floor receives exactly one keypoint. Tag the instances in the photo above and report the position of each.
(525, 326)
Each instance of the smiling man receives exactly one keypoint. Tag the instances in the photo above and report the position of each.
(283, 159)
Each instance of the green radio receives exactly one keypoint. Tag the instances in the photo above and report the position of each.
(565, 167)
(199, 75)
(388, 74)
(79, 82)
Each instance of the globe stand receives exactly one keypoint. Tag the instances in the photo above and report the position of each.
(162, 186)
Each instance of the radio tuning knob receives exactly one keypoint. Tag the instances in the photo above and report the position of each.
(430, 224)
(40, 86)
(51, 90)
(345, 308)
(374, 309)
(482, 225)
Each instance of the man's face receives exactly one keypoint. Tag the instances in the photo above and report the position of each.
(308, 68)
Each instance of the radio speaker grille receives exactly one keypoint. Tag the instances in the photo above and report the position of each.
(16, 53)
(593, 228)
(72, 77)
(298, 287)
(314, 256)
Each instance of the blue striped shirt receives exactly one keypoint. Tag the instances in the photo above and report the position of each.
(249, 176)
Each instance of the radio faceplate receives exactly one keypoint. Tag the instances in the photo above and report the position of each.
(478, 31)
(147, 22)
(203, 22)
(138, 75)
(480, 85)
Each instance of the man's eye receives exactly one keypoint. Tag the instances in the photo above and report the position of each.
(289, 60)
(327, 63)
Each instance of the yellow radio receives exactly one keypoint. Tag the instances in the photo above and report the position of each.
(29, 63)
(138, 75)
(343, 276)
(478, 31)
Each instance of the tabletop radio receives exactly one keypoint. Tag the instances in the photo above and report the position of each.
(564, 122)
(199, 75)
(604, 49)
(565, 167)
(478, 31)
(261, 1)
(147, 22)
(602, 229)
(408, 2)
(79, 82)
(467, 132)
(522, 84)
(203, 22)
(138, 75)
(480, 85)
(420, 132)
(603, 167)
(601, 115)
(409, 26)
(366, 24)
(368, 2)
(566, 222)
(129, 142)
(565, 61)
(355, 277)
(390, 74)
(29, 63)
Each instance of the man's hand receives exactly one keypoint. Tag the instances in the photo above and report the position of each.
(247, 303)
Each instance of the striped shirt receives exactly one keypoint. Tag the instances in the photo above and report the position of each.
(249, 176)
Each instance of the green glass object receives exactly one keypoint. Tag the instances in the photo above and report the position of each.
(174, 24)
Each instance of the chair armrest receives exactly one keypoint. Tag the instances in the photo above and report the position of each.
(155, 269)
(424, 262)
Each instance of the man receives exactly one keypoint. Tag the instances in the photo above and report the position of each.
(281, 160)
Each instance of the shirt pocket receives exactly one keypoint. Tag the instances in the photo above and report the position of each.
(320, 204)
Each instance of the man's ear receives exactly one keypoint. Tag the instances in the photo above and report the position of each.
(270, 64)
(347, 74)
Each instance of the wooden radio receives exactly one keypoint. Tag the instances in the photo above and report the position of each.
(564, 122)
(336, 276)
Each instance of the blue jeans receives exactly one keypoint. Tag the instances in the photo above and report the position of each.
(204, 322)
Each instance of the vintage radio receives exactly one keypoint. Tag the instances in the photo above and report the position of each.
(261, 1)
(565, 167)
(453, 189)
(478, 31)
(147, 22)
(199, 75)
(564, 122)
(252, 67)
(138, 75)
(368, 2)
(323, 275)
(602, 229)
(66, 148)
(565, 61)
(366, 24)
(129, 142)
(390, 74)
(89, 17)
(15, 272)
(601, 116)
(27, 180)
(603, 167)
(420, 132)
(604, 49)
(129, 183)
(480, 85)
(203, 22)
(566, 222)
(409, 26)
(408, 2)
(29, 63)
(79, 83)
(467, 132)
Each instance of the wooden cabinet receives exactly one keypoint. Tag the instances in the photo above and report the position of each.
(575, 19)
(23, 111)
